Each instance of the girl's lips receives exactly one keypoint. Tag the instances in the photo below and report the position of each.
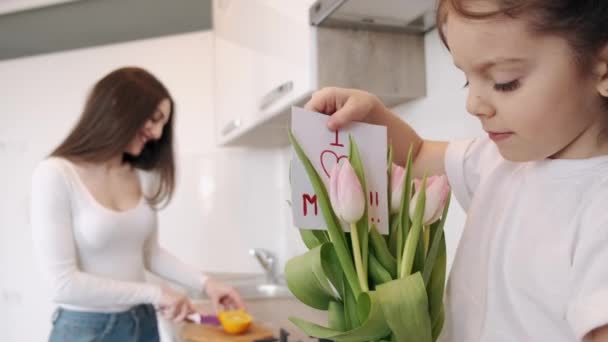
(499, 136)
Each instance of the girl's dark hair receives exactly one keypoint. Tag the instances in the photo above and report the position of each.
(584, 23)
(116, 108)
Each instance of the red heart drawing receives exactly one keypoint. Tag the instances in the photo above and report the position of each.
(328, 163)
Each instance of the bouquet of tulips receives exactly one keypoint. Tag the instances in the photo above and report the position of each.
(374, 287)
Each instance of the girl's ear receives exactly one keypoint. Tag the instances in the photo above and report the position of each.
(601, 71)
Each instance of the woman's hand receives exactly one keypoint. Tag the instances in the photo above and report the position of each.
(175, 306)
(347, 105)
(223, 296)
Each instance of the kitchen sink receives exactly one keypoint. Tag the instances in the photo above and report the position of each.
(259, 287)
(259, 291)
(252, 286)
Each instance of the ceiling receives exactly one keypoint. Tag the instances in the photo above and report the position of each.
(33, 27)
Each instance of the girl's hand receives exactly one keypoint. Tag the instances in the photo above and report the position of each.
(175, 306)
(223, 296)
(347, 105)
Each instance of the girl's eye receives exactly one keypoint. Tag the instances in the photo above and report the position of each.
(509, 86)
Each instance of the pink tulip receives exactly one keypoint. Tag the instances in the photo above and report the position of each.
(437, 190)
(397, 179)
(346, 193)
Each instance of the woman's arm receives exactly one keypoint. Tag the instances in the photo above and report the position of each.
(166, 265)
(160, 262)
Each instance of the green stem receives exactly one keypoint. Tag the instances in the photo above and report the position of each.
(354, 235)
(399, 251)
(426, 235)
(411, 242)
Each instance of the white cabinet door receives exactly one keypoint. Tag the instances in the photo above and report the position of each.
(262, 60)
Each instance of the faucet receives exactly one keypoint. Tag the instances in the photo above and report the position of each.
(268, 262)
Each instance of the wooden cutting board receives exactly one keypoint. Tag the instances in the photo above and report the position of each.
(192, 332)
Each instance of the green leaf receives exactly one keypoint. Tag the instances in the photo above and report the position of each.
(389, 171)
(438, 325)
(334, 228)
(330, 269)
(436, 236)
(436, 286)
(434, 274)
(308, 276)
(374, 325)
(413, 236)
(405, 306)
(335, 315)
(354, 157)
(394, 232)
(404, 212)
(389, 160)
(420, 255)
(382, 253)
(361, 271)
(313, 238)
(377, 272)
(436, 267)
(350, 307)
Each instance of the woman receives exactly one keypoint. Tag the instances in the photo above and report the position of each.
(94, 217)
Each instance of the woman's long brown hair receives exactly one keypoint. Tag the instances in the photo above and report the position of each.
(116, 108)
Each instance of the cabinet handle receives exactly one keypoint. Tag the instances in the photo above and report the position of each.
(275, 94)
(231, 126)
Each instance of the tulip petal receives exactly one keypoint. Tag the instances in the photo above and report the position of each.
(350, 194)
(397, 179)
(333, 189)
(417, 183)
(436, 194)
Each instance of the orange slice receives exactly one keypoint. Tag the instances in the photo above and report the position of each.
(234, 322)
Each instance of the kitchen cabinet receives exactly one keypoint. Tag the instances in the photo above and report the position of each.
(262, 59)
(269, 56)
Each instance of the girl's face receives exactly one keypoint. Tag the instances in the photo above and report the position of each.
(526, 90)
(152, 129)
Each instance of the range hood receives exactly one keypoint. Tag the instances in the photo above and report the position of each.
(411, 16)
(377, 46)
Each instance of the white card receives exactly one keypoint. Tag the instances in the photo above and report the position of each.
(324, 148)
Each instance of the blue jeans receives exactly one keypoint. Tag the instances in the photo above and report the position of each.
(135, 325)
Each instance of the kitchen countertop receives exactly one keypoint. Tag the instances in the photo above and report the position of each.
(270, 312)
(274, 314)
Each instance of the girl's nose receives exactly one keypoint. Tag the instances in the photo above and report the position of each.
(478, 107)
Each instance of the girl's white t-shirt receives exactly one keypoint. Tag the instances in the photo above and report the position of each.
(94, 258)
(532, 263)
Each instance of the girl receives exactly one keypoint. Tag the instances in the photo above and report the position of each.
(532, 262)
(94, 222)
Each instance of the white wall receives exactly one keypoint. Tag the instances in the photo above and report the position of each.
(226, 200)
